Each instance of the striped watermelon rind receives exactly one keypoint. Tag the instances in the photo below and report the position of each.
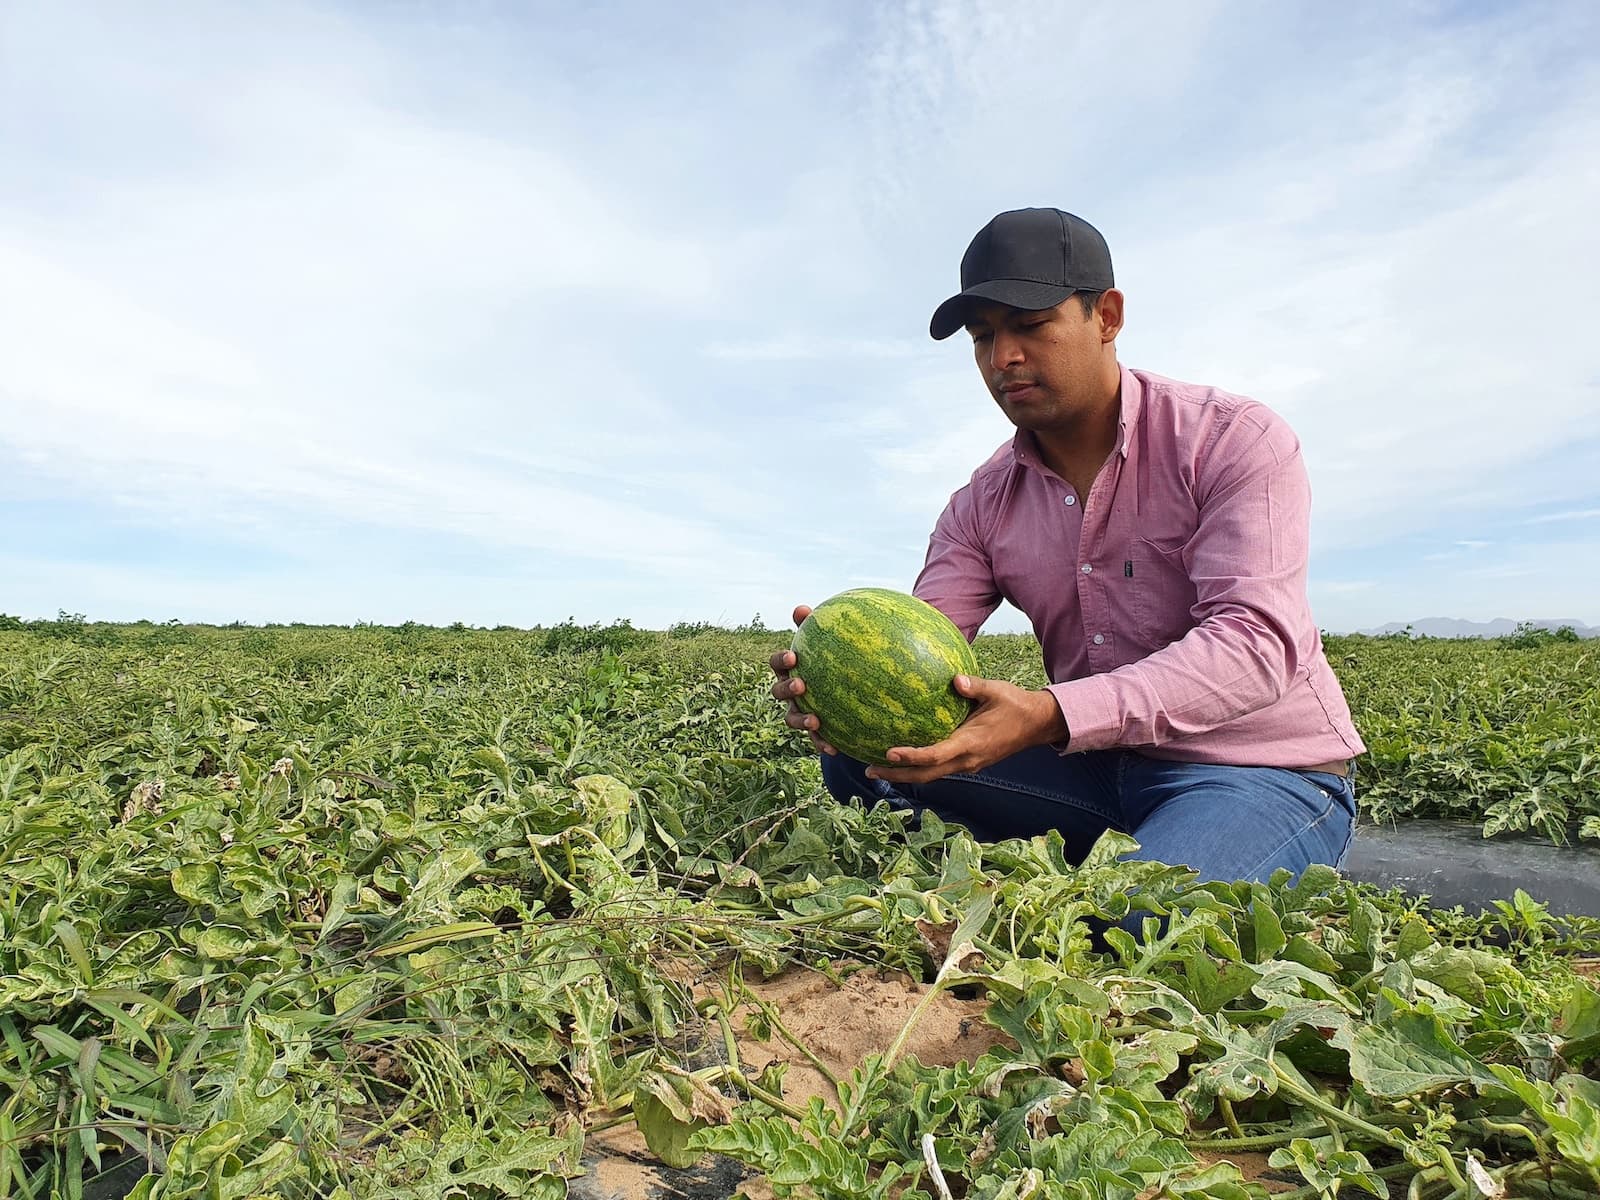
(877, 666)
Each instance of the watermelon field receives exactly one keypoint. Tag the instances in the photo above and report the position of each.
(414, 912)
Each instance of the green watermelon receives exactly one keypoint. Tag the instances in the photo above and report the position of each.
(877, 666)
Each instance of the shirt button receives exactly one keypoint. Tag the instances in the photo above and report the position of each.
(1087, 568)
(1099, 639)
(1072, 500)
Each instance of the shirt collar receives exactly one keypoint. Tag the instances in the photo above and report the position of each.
(1025, 447)
(1132, 405)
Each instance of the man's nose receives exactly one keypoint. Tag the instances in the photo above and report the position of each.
(1005, 350)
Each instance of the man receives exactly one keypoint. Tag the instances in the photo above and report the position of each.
(1155, 533)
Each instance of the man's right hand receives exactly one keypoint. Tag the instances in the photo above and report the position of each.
(789, 686)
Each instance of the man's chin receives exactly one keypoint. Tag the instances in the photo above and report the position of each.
(1029, 405)
(1029, 418)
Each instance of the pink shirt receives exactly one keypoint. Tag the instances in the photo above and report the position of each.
(1170, 603)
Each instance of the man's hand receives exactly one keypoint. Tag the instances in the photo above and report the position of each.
(1007, 719)
(789, 686)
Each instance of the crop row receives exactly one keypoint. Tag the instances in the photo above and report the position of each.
(407, 913)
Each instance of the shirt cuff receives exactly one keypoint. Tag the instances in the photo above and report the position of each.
(1089, 707)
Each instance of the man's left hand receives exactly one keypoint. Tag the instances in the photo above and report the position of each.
(1007, 719)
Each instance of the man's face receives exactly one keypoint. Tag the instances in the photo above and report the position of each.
(1046, 368)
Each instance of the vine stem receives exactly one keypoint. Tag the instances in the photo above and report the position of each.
(1260, 1141)
(1538, 1175)
(854, 905)
(730, 1044)
(1317, 1104)
(1448, 1162)
(1513, 1129)
(1228, 1117)
(771, 1099)
(1445, 1160)
(770, 1011)
(852, 1112)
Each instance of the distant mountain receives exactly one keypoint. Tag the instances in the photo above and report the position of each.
(1452, 627)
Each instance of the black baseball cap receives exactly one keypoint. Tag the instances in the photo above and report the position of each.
(1028, 258)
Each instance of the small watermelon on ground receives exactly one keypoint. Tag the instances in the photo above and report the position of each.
(878, 666)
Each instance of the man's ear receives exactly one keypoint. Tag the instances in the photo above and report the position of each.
(1109, 313)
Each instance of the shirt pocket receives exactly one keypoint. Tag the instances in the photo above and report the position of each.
(1163, 595)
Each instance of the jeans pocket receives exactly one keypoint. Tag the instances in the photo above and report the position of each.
(1339, 788)
(1340, 791)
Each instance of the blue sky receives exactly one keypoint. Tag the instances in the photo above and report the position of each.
(510, 313)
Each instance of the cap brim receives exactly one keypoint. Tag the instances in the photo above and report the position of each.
(1018, 293)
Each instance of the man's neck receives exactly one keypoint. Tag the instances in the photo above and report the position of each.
(1077, 453)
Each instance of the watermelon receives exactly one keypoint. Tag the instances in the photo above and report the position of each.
(877, 666)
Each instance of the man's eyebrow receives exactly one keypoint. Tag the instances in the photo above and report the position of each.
(1016, 316)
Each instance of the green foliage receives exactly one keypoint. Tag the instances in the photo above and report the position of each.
(690, 629)
(1499, 733)
(1397, 1057)
(393, 911)
(1528, 636)
(572, 638)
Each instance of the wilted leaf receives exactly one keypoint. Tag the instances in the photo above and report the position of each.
(670, 1107)
(607, 803)
(1409, 1055)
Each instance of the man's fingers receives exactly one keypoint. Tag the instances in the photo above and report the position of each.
(796, 718)
(906, 773)
(789, 686)
(925, 769)
(924, 764)
(956, 746)
(975, 687)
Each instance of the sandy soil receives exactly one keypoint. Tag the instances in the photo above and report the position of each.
(841, 1025)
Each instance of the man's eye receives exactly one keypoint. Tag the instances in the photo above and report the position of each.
(1035, 324)
(983, 336)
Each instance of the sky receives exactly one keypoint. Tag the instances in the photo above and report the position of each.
(515, 313)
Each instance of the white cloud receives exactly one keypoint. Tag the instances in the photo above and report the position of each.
(1342, 273)
(651, 309)
(1577, 514)
(292, 328)
(116, 398)
(801, 347)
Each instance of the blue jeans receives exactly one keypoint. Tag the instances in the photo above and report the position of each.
(1226, 823)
